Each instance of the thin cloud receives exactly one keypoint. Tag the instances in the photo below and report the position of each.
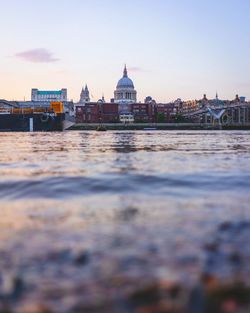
(244, 85)
(136, 69)
(37, 56)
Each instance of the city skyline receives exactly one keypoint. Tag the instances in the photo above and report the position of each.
(172, 50)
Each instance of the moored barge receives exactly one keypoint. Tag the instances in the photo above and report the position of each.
(33, 119)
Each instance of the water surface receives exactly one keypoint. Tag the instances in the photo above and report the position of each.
(96, 211)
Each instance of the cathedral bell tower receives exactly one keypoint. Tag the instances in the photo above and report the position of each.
(84, 97)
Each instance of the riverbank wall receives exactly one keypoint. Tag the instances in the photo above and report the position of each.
(159, 126)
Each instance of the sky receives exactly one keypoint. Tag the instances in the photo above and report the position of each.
(172, 48)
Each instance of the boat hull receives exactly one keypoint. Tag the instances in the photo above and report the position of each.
(32, 122)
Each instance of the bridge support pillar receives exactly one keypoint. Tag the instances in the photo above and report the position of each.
(205, 118)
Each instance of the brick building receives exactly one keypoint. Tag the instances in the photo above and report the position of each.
(109, 112)
(101, 112)
(97, 112)
(143, 112)
(89, 113)
(166, 112)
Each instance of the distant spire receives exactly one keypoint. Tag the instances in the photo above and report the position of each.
(84, 97)
(217, 95)
(125, 72)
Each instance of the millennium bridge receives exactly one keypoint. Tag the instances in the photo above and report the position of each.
(233, 113)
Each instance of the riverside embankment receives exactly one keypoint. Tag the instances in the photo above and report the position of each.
(159, 126)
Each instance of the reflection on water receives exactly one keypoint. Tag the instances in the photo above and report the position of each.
(129, 207)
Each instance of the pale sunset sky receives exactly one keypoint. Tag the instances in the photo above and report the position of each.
(172, 48)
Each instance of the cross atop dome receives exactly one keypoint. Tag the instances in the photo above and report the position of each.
(125, 72)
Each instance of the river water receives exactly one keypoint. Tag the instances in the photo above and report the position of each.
(88, 217)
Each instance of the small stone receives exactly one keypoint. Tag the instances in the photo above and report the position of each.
(18, 286)
(60, 256)
(237, 293)
(128, 214)
(4, 310)
(211, 247)
(12, 287)
(196, 301)
(209, 281)
(174, 291)
(244, 225)
(153, 249)
(82, 258)
(229, 306)
(188, 260)
(35, 308)
(235, 258)
(225, 226)
(146, 296)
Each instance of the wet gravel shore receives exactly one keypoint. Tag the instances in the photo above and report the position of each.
(127, 273)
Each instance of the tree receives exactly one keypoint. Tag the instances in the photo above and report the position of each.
(179, 118)
(160, 118)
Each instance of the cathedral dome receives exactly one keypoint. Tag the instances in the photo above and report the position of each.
(125, 92)
(125, 81)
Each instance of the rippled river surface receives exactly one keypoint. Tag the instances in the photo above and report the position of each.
(88, 218)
